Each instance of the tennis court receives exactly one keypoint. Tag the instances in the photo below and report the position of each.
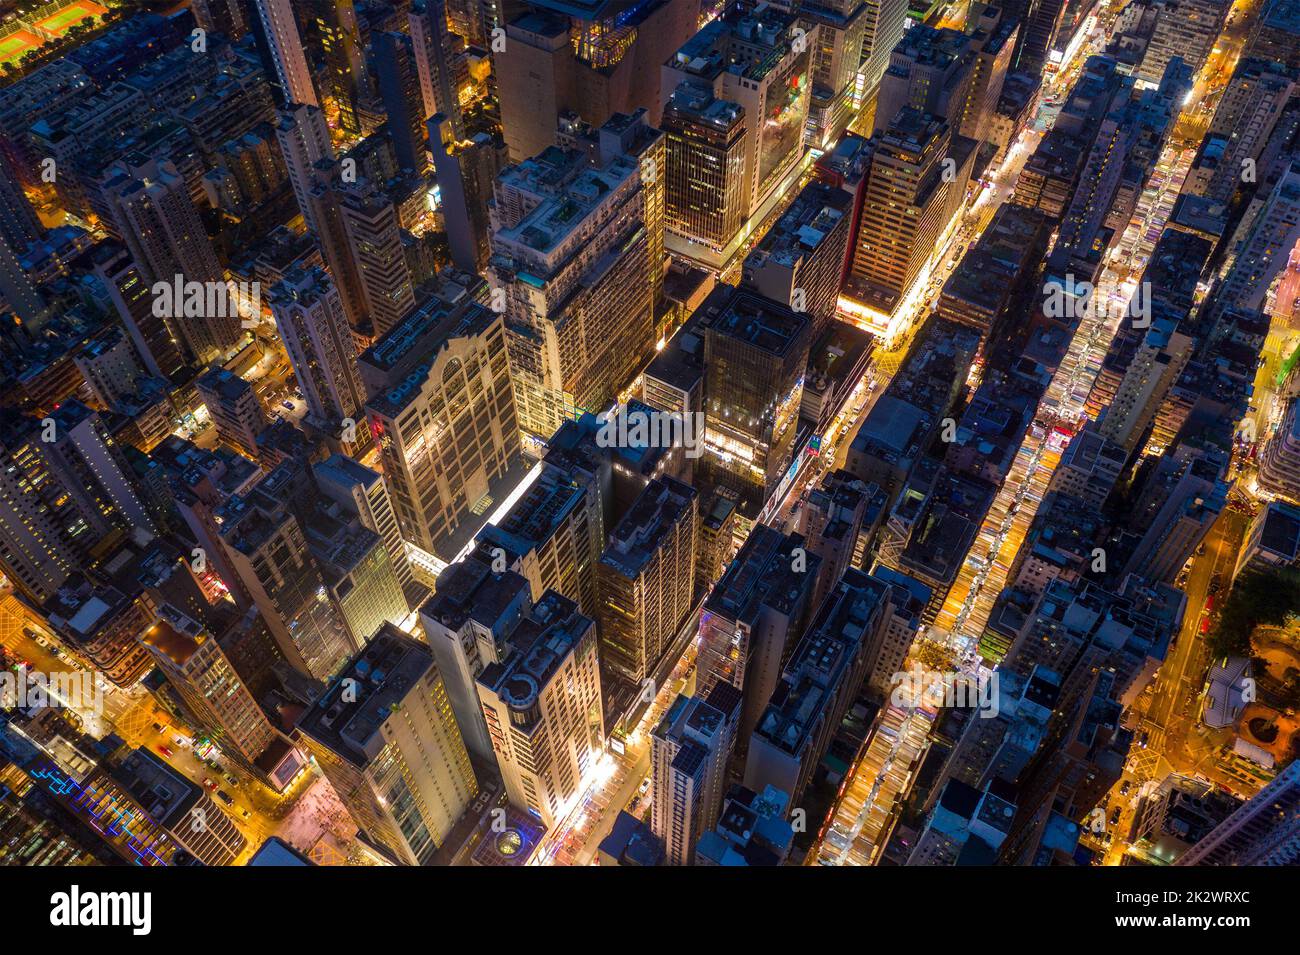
(60, 22)
(15, 45)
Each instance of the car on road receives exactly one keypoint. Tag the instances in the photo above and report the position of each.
(208, 783)
(286, 405)
(1125, 787)
(1142, 739)
(230, 779)
(165, 751)
(225, 797)
(1205, 626)
(1114, 816)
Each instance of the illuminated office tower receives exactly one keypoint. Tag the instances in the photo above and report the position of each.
(707, 189)
(571, 249)
(443, 415)
(800, 259)
(886, 22)
(346, 82)
(592, 60)
(834, 30)
(1267, 243)
(993, 44)
(235, 409)
(384, 736)
(907, 207)
(191, 657)
(465, 168)
(1184, 28)
(62, 501)
(314, 330)
(755, 353)
(543, 709)
(227, 17)
(646, 578)
(753, 618)
(1263, 831)
(304, 139)
(689, 750)
(358, 573)
(267, 549)
(169, 800)
(755, 60)
(156, 218)
(280, 26)
(434, 62)
(467, 622)
(370, 221)
(399, 91)
(361, 492)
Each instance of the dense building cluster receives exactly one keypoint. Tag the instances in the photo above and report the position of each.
(650, 432)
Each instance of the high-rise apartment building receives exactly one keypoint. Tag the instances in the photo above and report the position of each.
(156, 218)
(542, 705)
(398, 80)
(434, 62)
(266, 547)
(375, 238)
(689, 750)
(280, 26)
(572, 251)
(1276, 35)
(753, 617)
(67, 494)
(314, 331)
(235, 409)
(385, 737)
(646, 578)
(1183, 28)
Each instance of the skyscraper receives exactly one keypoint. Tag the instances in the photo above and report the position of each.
(157, 219)
(434, 64)
(375, 238)
(67, 496)
(1264, 831)
(543, 709)
(290, 61)
(755, 354)
(314, 330)
(384, 735)
(572, 251)
(914, 187)
(465, 167)
(399, 89)
(191, 658)
(646, 577)
(443, 415)
(689, 750)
